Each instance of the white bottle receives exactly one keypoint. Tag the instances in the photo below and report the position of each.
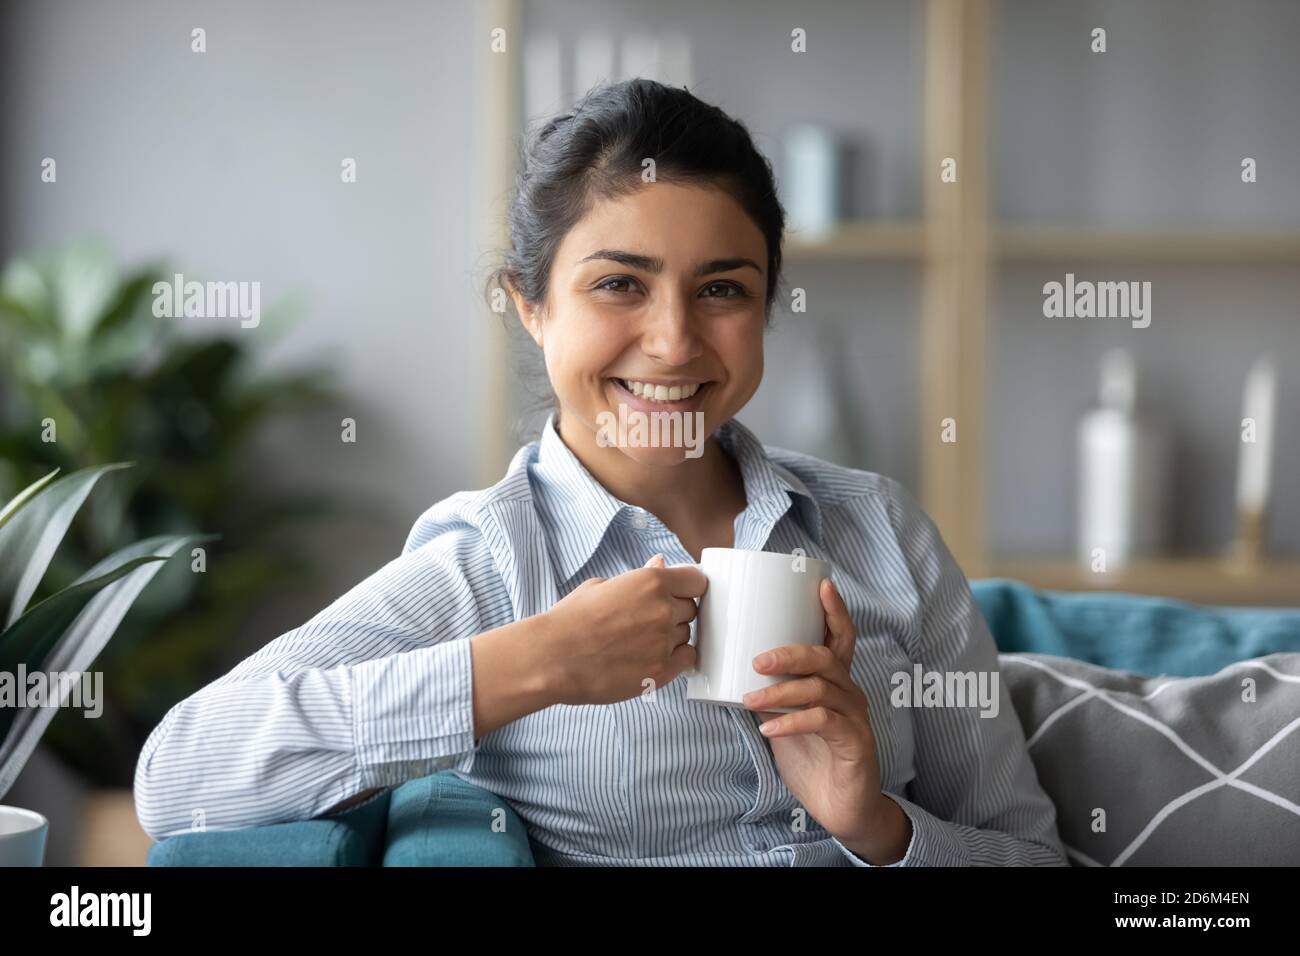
(811, 180)
(1122, 460)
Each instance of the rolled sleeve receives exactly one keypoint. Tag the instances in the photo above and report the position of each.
(413, 714)
(376, 689)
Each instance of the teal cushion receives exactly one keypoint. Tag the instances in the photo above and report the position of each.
(441, 820)
(1129, 632)
(352, 838)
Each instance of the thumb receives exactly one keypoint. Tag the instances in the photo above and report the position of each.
(651, 563)
(842, 636)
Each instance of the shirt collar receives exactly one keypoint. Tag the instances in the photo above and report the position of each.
(573, 501)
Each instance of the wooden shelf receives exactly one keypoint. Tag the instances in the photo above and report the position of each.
(906, 240)
(1198, 580)
(860, 240)
(1038, 243)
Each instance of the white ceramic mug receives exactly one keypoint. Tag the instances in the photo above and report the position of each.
(756, 600)
(22, 837)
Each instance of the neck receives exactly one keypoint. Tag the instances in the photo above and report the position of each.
(690, 491)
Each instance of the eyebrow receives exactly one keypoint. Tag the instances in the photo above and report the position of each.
(655, 265)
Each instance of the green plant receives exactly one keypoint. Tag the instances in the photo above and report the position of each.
(89, 374)
(66, 631)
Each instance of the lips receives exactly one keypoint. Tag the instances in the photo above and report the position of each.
(650, 405)
(658, 391)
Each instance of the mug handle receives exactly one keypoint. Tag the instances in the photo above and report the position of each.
(694, 671)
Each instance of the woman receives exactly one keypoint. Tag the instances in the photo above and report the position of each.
(513, 638)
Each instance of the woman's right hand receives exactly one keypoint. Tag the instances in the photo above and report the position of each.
(608, 635)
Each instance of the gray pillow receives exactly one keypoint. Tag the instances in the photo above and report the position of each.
(1166, 771)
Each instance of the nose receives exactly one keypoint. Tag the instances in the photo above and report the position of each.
(669, 334)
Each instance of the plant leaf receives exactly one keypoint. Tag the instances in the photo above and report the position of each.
(68, 630)
(30, 538)
(24, 496)
(32, 635)
(129, 298)
(25, 294)
(84, 284)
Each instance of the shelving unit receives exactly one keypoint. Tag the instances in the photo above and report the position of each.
(893, 241)
(960, 248)
(1200, 580)
(1041, 243)
(860, 240)
(497, 103)
(955, 348)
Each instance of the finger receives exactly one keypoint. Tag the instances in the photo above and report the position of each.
(684, 610)
(842, 635)
(804, 659)
(832, 727)
(813, 691)
(683, 634)
(682, 658)
(686, 580)
(656, 561)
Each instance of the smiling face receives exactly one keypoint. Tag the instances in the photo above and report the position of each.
(662, 287)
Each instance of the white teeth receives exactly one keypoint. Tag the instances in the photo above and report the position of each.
(661, 393)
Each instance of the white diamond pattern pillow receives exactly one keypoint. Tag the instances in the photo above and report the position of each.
(1166, 771)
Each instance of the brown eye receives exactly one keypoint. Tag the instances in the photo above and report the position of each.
(730, 290)
(616, 284)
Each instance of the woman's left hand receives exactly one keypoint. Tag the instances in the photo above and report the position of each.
(826, 752)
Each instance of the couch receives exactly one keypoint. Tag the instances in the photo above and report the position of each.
(1073, 663)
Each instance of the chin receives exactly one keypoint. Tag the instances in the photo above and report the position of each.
(661, 457)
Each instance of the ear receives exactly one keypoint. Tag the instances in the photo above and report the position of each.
(529, 316)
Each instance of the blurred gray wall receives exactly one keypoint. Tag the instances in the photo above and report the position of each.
(228, 162)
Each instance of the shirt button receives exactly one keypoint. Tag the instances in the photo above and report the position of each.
(639, 521)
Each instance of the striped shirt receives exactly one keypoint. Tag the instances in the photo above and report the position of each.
(376, 689)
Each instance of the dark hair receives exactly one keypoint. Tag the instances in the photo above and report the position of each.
(596, 152)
